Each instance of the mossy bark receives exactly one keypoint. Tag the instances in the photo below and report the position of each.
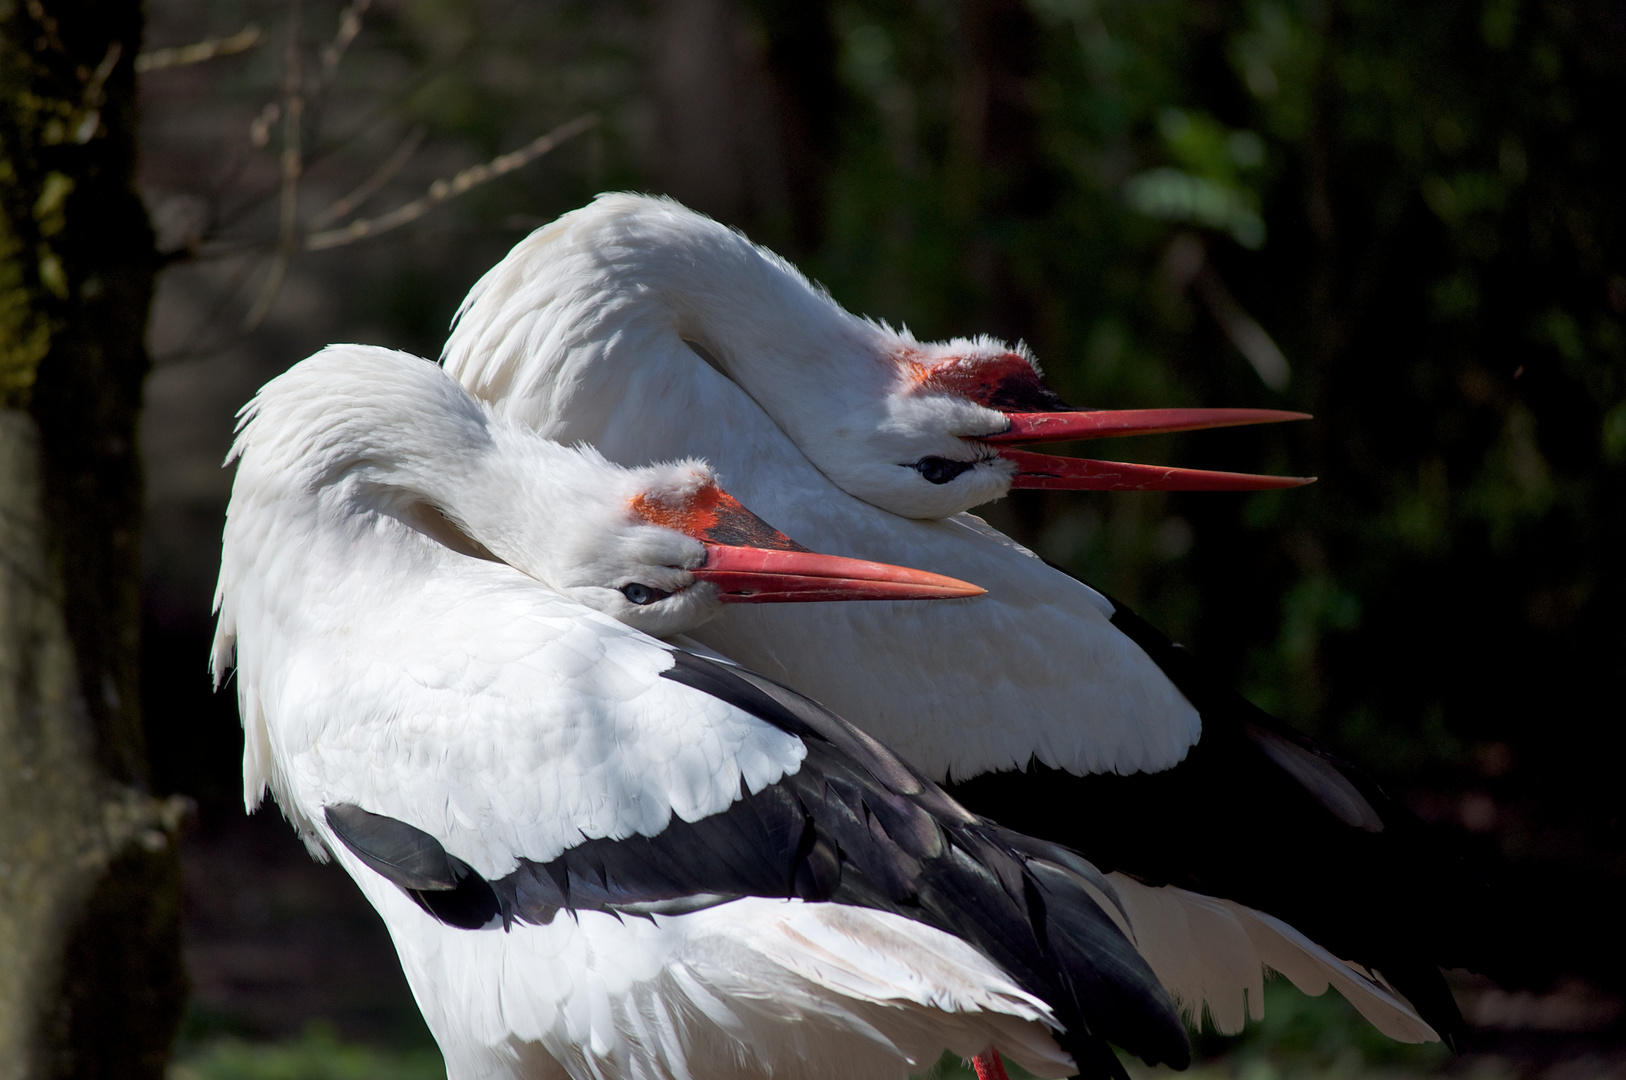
(91, 983)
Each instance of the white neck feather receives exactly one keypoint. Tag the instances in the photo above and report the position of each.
(594, 328)
(586, 309)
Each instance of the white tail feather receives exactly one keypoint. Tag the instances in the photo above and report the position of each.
(1210, 954)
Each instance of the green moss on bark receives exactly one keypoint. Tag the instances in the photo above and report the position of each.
(91, 983)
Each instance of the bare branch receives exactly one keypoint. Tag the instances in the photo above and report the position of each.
(349, 27)
(223, 219)
(48, 26)
(208, 321)
(98, 78)
(1250, 339)
(90, 124)
(443, 190)
(259, 131)
(1187, 266)
(293, 107)
(181, 55)
(348, 205)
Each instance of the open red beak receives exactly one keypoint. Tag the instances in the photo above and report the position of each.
(751, 562)
(1081, 474)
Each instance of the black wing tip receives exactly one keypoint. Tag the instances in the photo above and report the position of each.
(1424, 986)
(417, 864)
(472, 905)
(1110, 983)
(1125, 1004)
(1447, 881)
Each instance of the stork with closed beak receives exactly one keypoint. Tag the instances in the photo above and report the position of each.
(601, 854)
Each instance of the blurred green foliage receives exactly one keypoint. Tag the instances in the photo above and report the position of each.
(1418, 204)
(1308, 1038)
(1314, 1036)
(1299, 1037)
(316, 1054)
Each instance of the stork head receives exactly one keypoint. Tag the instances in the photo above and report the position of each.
(581, 329)
(939, 436)
(356, 433)
(663, 548)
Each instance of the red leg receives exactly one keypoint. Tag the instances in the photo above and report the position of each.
(988, 1065)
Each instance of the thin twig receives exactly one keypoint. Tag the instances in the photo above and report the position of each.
(223, 219)
(47, 26)
(181, 55)
(348, 205)
(98, 79)
(1251, 340)
(208, 321)
(442, 190)
(91, 122)
(27, 574)
(1188, 267)
(421, 77)
(215, 250)
(293, 106)
(349, 27)
(259, 129)
(324, 77)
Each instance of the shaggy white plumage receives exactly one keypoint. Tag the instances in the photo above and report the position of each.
(378, 665)
(650, 331)
(580, 333)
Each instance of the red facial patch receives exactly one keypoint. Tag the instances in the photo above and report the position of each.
(1005, 382)
(713, 516)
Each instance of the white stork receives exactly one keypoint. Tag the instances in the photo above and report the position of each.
(650, 331)
(599, 854)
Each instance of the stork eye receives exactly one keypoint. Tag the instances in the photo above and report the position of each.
(938, 470)
(643, 594)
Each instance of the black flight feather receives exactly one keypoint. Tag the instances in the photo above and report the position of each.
(441, 883)
(1259, 814)
(853, 825)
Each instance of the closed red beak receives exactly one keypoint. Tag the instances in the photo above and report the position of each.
(1048, 472)
(751, 562)
(753, 575)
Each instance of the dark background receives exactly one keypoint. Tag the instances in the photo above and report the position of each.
(1403, 218)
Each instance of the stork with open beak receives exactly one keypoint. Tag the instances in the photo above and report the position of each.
(600, 854)
(649, 331)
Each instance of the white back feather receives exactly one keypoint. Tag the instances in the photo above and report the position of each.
(579, 333)
(375, 665)
(379, 667)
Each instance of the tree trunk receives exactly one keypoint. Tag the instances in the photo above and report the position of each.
(91, 983)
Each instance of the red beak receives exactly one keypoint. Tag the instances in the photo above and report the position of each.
(751, 562)
(1081, 474)
(753, 575)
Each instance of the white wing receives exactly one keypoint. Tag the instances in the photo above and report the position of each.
(556, 345)
(753, 987)
(508, 723)
(497, 717)
(1061, 683)
(1212, 954)
(1033, 669)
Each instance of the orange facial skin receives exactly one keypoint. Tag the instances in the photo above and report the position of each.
(712, 515)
